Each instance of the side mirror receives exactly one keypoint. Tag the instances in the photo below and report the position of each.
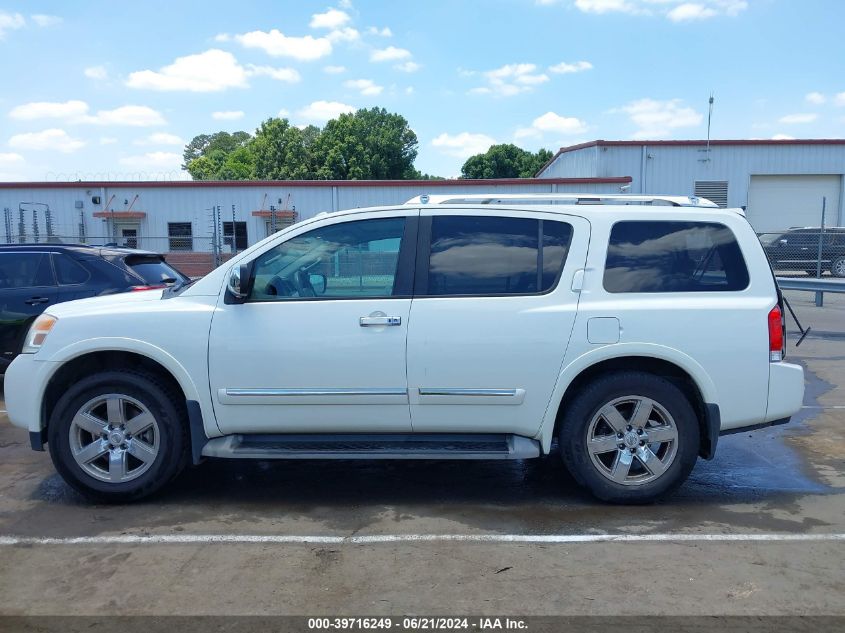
(318, 283)
(238, 285)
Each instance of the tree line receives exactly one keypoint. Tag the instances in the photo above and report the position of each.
(370, 144)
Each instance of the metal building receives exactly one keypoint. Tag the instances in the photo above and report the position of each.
(201, 223)
(781, 183)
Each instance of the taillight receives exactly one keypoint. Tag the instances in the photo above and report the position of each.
(142, 288)
(776, 334)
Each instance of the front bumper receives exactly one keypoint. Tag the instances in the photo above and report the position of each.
(24, 385)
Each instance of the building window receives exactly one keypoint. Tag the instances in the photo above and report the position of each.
(239, 242)
(180, 236)
(714, 190)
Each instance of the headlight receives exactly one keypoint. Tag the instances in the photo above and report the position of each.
(38, 333)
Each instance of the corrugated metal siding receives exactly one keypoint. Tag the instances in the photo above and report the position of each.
(675, 169)
(192, 204)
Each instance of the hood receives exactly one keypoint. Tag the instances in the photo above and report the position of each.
(98, 304)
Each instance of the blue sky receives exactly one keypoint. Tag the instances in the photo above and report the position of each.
(114, 89)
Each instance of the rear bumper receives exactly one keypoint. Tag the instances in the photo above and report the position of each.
(786, 391)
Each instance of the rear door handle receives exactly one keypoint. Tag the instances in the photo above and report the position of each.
(34, 301)
(372, 321)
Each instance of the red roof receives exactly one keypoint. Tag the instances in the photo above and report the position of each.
(143, 184)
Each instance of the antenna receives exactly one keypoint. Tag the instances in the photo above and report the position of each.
(709, 119)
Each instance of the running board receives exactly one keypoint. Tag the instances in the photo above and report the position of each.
(376, 446)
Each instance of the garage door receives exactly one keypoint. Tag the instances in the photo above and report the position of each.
(779, 202)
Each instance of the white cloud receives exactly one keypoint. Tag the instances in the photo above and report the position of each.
(783, 137)
(10, 157)
(346, 34)
(227, 115)
(10, 22)
(674, 10)
(322, 111)
(72, 109)
(690, 11)
(384, 32)
(816, 98)
(366, 87)
(511, 79)
(804, 117)
(153, 160)
(564, 68)
(107, 140)
(160, 138)
(76, 111)
(222, 37)
(658, 118)
(408, 67)
(409, 90)
(345, 4)
(839, 99)
(131, 115)
(53, 139)
(44, 20)
(551, 122)
(334, 70)
(277, 44)
(283, 113)
(389, 54)
(96, 72)
(331, 19)
(463, 145)
(211, 71)
(289, 75)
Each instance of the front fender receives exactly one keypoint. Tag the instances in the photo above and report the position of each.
(583, 362)
(118, 344)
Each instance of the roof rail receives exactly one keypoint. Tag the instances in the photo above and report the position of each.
(571, 198)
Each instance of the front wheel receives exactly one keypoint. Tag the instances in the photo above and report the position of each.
(118, 436)
(837, 267)
(630, 437)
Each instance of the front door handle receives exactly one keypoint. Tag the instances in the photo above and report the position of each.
(34, 301)
(372, 321)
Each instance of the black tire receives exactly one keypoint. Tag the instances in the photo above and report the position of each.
(837, 267)
(160, 401)
(605, 389)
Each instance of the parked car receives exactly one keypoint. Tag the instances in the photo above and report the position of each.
(797, 249)
(34, 277)
(451, 327)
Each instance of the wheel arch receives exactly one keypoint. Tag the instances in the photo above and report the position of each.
(84, 358)
(682, 370)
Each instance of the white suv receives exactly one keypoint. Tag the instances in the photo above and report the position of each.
(635, 330)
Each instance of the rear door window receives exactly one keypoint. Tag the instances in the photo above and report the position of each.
(487, 255)
(25, 270)
(673, 257)
(69, 272)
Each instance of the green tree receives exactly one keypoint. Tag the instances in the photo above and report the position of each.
(204, 144)
(505, 161)
(366, 145)
(283, 152)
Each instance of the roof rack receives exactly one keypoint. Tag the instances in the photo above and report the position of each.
(570, 198)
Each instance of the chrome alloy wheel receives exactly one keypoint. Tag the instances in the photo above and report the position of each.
(632, 440)
(838, 267)
(114, 438)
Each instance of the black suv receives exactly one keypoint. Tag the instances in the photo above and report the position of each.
(798, 250)
(35, 276)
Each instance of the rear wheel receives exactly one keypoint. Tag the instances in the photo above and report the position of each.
(118, 436)
(630, 437)
(837, 267)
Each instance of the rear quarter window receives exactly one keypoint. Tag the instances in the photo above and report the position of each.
(153, 270)
(659, 256)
